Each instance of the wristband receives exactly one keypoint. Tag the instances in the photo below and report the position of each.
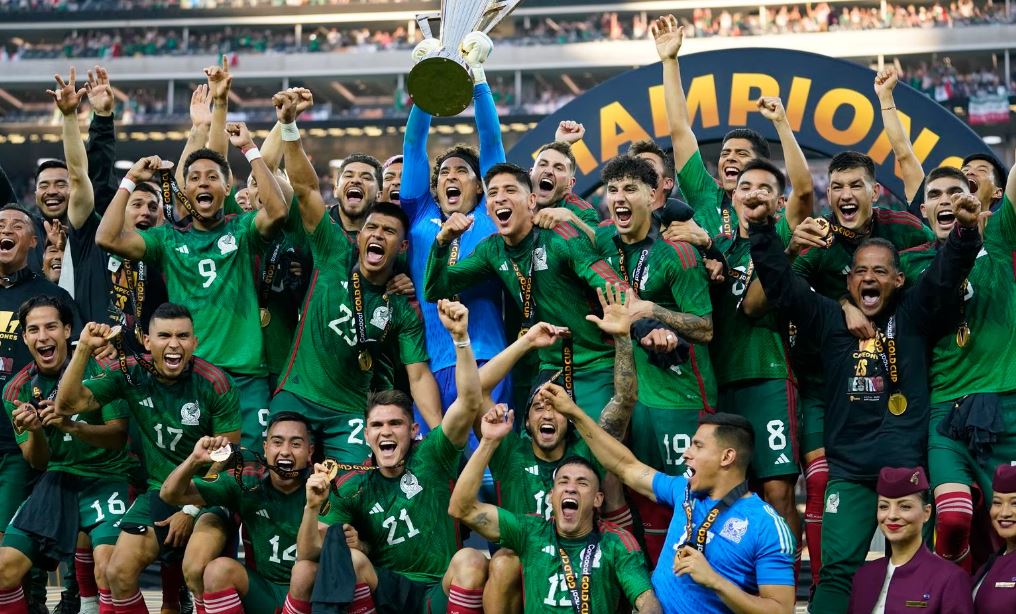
(462, 344)
(290, 132)
(127, 184)
(252, 154)
(191, 510)
(889, 108)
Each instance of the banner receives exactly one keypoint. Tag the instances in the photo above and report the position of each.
(986, 110)
(830, 103)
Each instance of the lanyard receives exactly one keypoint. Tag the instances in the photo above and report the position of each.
(526, 285)
(726, 228)
(453, 257)
(635, 281)
(363, 357)
(580, 588)
(136, 291)
(885, 345)
(171, 189)
(852, 236)
(698, 538)
(267, 279)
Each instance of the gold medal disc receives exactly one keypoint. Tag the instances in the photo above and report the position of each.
(523, 331)
(332, 468)
(113, 332)
(221, 454)
(365, 360)
(266, 316)
(962, 335)
(897, 404)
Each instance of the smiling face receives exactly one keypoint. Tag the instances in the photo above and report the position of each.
(52, 191)
(243, 199)
(206, 187)
(380, 241)
(1003, 516)
(851, 194)
(288, 447)
(902, 519)
(873, 279)
(52, 263)
(458, 187)
(553, 177)
(142, 211)
(982, 173)
(171, 343)
(547, 427)
(46, 337)
(704, 458)
(390, 432)
(937, 206)
(733, 156)
(574, 498)
(510, 205)
(17, 238)
(630, 203)
(392, 183)
(356, 189)
(757, 182)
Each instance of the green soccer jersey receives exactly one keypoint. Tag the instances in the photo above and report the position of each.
(744, 348)
(582, 209)
(282, 308)
(271, 519)
(713, 210)
(987, 361)
(404, 521)
(323, 364)
(618, 568)
(66, 452)
(674, 278)
(212, 274)
(524, 481)
(564, 271)
(171, 418)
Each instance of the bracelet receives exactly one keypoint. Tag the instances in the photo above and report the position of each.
(290, 132)
(191, 510)
(889, 108)
(127, 184)
(462, 344)
(252, 154)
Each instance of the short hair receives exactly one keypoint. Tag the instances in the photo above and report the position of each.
(363, 158)
(582, 462)
(149, 189)
(390, 397)
(884, 244)
(767, 166)
(207, 154)
(391, 210)
(758, 142)
(291, 416)
(562, 148)
(941, 172)
(48, 164)
(651, 147)
(996, 166)
(460, 150)
(627, 166)
(507, 168)
(396, 159)
(43, 300)
(171, 311)
(733, 431)
(846, 160)
(18, 208)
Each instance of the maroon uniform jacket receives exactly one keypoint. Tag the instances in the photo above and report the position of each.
(926, 584)
(997, 590)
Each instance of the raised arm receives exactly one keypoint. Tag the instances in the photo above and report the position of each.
(616, 322)
(463, 411)
(465, 504)
(111, 234)
(669, 36)
(310, 535)
(101, 138)
(219, 81)
(910, 167)
(71, 396)
(477, 47)
(111, 435)
(179, 489)
(442, 280)
(415, 164)
(539, 336)
(302, 176)
(201, 125)
(801, 203)
(275, 208)
(67, 97)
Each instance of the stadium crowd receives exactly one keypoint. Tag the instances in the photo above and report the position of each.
(618, 409)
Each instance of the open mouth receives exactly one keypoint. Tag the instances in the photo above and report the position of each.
(731, 172)
(46, 352)
(623, 215)
(7, 245)
(387, 447)
(375, 253)
(1006, 524)
(285, 464)
(56, 264)
(870, 296)
(453, 194)
(503, 214)
(354, 196)
(393, 195)
(172, 360)
(52, 203)
(204, 198)
(945, 217)
(546, 184)
(547, 431)
(972, 183)
(142, 226)
(849, 211)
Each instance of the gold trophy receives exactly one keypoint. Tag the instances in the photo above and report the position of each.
(441, 83)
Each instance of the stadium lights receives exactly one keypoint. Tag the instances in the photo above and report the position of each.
(123, 165)
(992, 139)
(336, 163)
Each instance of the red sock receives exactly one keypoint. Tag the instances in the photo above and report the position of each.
(363, 601)
(621, 517)
(135, 604)
(223, 602)
(655, 520)
(12, 601)
(465, 600)
(84, 571)
(105, 601)
(295, 606)
(172, 581)
(199, 605)
(816, 476)
(953, 513)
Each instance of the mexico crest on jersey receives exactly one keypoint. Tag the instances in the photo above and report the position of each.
(380, 317)
(190, 414)
(227, 244)
(410, 485)
(540, 259)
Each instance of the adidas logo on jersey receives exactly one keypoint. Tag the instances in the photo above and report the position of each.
(503, 267)
(377, 509)
(148, 403)
(549, 550)
(533, 470)
(782, 460)
(263, 513)
(183, 249)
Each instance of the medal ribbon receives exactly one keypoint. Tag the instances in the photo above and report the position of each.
(453, 257)
(121, 356)
(268, 277)
(635, 281)
(744, 278)
(170, 189)
(361, 319)
(886, 347)
(850, 235)
(726, 228)
(37, 392)
(698, 538)
(136, 291)
(580, 588)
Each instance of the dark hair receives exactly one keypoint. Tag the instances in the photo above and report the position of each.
(758, 143)
(18, 208)
(507, 168)
(650, 146)
(43, 300)
(208, 154)
(582, 462)
(846, 160)
(171, 311)
(390, 397)
(149, 189)
(460, 150)
(733, 431)
(48, 164)
(562, 148)
(396, 159)
(767, 166)
(391, 210)
(290, 416)
(363, 158)
(884, 244)
(945, 171)
(629, 167)
(1000, 173)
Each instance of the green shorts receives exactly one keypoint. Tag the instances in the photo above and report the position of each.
(950, 461)
(101, 505)
(771, 406)
(263, 597)
(339, 432)
(254, 396)
(14, 476)
(141, 518)
(811, 407)
(659, 437)
(397, 593)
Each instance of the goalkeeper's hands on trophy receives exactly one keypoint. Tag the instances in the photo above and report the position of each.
(476, 48)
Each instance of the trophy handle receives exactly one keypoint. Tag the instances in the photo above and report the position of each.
(495, 13)
(423, 21)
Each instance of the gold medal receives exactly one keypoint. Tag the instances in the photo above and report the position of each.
(266, 316)
(113, 332)
(221, 454)
(523, 331)
(962, 335)
(897, 404)
(365, 360)
(331, 467)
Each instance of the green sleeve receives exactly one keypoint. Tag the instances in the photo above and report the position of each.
(437, 450)
(807, 263)
(631, 570)
(230, 206)
(226, 411)
(412, 347)
(701, 193)
(1001, 228)
(582, 257)
(513, 534)
(341, 505)
(107, 386)
(689, 285)
(442, 281)
(219, 489)
(784, 231)
(116, 410)
(294, 225)
(19, 438)
(323, 241)
(500, 460)
(155, 242)
(247, 229)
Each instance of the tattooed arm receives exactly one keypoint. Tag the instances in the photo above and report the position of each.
(464, 504)
(616, 322)
(696, 329)
(647, 603)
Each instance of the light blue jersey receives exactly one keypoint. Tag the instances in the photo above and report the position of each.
(749, 545)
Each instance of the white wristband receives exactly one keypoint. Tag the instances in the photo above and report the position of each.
(191, 510)
(128, 185)
(252, 154)
(462, 344)
(478, 75)
(290, 132)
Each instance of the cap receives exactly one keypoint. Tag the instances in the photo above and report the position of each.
(896, 482)
(1005, 479)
